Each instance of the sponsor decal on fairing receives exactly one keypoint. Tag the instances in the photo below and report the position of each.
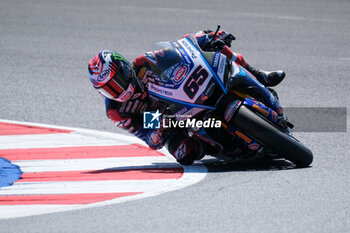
(179, 74)
(219, 63)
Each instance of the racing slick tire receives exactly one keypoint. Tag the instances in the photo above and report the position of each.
(272, 137)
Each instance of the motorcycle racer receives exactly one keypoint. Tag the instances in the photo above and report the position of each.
(124, 87)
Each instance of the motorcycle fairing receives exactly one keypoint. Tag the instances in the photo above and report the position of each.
(219, 65)
(183, 75)
(261, 108)
(243, 79)
(208, 58)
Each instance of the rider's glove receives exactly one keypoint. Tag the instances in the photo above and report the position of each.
(215, 45)
(227, 38)
(218, 43)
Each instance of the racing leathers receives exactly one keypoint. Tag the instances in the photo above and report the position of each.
(129, 115)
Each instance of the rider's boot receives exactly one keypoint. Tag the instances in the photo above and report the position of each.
(267, 78)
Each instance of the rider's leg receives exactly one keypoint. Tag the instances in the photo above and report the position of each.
(268, 78)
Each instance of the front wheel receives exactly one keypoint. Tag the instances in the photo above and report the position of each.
(271, 137)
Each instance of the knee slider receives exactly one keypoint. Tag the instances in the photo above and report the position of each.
(184, 148)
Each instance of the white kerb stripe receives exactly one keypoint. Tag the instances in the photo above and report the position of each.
(95, 164)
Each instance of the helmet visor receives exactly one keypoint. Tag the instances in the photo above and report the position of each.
(117, 89)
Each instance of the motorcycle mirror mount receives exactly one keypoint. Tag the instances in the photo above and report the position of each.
(216, 32)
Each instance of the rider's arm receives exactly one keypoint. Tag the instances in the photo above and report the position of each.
(204, 37)
(123, 121)
(133, 124)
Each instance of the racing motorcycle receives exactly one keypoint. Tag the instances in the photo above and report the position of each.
(206, 86)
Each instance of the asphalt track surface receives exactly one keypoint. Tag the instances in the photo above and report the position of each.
(45, 47)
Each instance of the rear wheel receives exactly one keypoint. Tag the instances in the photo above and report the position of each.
(271, 137)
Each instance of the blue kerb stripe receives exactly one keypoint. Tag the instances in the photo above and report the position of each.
(211, 70)
(182, 102)
(9, 173)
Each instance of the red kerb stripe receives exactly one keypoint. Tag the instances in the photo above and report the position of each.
(62, 199)
(17, 129)
(107, 174)
(84, 152)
